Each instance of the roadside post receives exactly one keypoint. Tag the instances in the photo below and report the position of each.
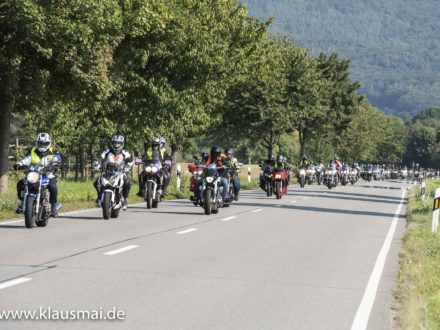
(422, 189)
(249, 174)
(435, 211)
(178, 180)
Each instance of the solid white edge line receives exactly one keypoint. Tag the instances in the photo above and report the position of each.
(124, 249)
(14, 282)
(257, 210)
(186, 231)
(229, 218)
(360, 320)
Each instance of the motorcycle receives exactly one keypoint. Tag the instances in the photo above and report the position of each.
(345, 174)
(302, 177)
(267, 177)
(311, 174)
(330, 178)
(152, 180)
(353, 175)
(211, 192)
(36, 205)
(110, 184)
(319, 172)
(232, 175)
(280, 177)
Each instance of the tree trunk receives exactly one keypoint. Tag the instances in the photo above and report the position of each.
(5, 124)
(76, 167)
(82, 162)
(303, 143)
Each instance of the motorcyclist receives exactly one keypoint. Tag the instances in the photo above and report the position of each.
(154, 152)
(116, 154)
(336, 163)
(304, 163)
(215, 157)
(232, 162)
(281, 165)
(42, 154)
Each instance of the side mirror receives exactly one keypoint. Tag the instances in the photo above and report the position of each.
(240, 164)
(260, 165)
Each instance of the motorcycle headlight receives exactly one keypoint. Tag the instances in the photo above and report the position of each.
(278, 176)
(302, 172)
(33, 177)
(200, 172)
(148, 169)
(154, 169)
(209, 179)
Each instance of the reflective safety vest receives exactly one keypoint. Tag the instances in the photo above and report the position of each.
(35, 159)
(152, 154)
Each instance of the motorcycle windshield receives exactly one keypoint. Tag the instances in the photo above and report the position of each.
(211, 170)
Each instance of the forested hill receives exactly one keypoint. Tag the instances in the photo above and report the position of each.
(394, 45)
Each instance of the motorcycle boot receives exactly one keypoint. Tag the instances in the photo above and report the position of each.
(124, 204)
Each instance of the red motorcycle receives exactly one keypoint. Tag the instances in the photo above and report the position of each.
(280, 182)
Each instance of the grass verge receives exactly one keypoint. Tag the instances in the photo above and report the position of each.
(418, 290)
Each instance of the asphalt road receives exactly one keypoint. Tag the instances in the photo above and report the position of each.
(312, 260)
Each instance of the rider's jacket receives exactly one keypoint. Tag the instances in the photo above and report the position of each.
(151, 154)
(124, 157)
(36, 157)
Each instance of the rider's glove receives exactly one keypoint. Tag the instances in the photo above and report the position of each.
(18, 166)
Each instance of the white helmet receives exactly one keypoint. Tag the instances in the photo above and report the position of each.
(43, 142)
(162, 141)
(117, 143)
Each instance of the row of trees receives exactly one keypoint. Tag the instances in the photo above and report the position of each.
(84, 70)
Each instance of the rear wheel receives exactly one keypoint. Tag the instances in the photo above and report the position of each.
(155, 204)
(309, 181)
(319, 180)
(107, 205)
(30, 213)
(149, 195)
(207, 206)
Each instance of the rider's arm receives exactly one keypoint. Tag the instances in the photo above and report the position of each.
(128, 159)
(26, 161)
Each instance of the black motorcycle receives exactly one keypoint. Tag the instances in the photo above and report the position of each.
(37, 208)
(212, 189)
(152, 179)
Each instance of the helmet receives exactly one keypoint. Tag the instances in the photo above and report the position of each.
(215, 152)
(155, 142)
(229, 151)
(335, 158)
(43, 142)
(280, 158)
(272, 157)
(162, 141)
(117, 143)
(304, 157)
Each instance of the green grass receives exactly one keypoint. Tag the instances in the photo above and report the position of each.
(419, 278)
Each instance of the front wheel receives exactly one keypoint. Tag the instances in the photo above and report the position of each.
(107, 205)
(149, 195)
(278, 190)
(302, 181)
(30, 213)
(319, 180)
(207, 205)
(269, 188)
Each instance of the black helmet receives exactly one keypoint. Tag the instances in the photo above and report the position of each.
(215, 152)
(280, 158)
(304, 157)
(229, 151)
(204, 156)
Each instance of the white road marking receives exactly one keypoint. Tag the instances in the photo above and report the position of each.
(127, 248)
(363, 313)
(14, 282)
(187, 231)
(229, 218)
(306, 198)
(257, 210)
(293, 201)
(8, 222)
